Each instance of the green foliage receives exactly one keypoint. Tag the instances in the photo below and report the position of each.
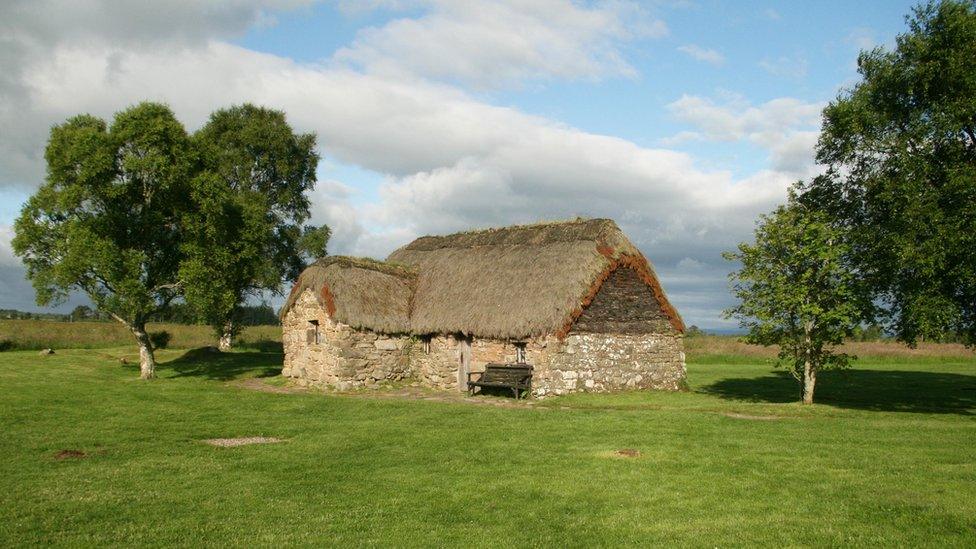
(140, 214)
(868, 332)
(107, 219)
(901, 151)
(160, 339)
(315, 242)
(81, 312)
(251, 200)
(795, 290)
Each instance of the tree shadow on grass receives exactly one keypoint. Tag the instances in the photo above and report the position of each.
(880, 390)
(208, 363)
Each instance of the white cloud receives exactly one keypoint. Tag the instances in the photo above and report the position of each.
(7, 257)
(34, 31)
(450, 160)
(707, 55)
(786, 127)
(496, 44)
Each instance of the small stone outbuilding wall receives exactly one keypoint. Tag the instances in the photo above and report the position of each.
(340, 356)
(344, 358)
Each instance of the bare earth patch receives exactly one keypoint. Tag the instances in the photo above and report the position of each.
(260, 384)
(747, 416)
(70, 454)
(241, 441)
(627, 452)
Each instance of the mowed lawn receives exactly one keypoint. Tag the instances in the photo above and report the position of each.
(888, 458)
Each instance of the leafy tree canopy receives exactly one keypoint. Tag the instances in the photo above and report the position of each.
(796, 292)
(107, 219)
(252, 199)
(901, 151)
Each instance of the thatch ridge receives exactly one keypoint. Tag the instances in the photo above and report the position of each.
(542, 233)
(387, 267)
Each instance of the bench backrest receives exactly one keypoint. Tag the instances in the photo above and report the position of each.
(506, 373)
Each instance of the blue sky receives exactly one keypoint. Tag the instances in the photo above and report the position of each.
(682, 120)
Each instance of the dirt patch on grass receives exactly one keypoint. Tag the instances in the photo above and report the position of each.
(622, 453)
(261, 384)
(394, 393)
(70, 454)
(240, 441)
(736, 415)
(433, 395)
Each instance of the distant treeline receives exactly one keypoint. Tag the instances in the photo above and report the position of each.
(179, 313)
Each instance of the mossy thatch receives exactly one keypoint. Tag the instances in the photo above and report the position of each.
(360, 292)
(507, 283)
(521, 281)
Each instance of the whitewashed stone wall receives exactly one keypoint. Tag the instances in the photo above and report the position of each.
(346, 358)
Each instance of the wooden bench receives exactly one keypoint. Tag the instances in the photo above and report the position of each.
(517, 377)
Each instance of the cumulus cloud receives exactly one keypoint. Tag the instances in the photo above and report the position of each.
(7, 258)
(492, 44)
(449, 160)
(34, 31)
(786, 127)
(706, 55)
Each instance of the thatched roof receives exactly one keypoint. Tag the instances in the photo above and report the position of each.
(507, 283)
(360, 292)
(520, 281)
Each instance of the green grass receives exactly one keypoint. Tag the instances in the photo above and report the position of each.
(887, 459)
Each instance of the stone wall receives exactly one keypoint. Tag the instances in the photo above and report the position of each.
(342, 357)
(438, 367)
(611, 362)
(346, 358)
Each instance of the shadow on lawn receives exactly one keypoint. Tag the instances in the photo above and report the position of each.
(881, 390)
(208, 363)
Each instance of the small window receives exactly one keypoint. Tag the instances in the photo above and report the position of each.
(426, 341)
(313, 337)
(520, 353)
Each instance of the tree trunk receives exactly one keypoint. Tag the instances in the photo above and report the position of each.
(809, 370)
(227, 339)
(147, 361)
(809, 382)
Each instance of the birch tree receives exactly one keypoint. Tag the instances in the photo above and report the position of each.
(796, 291)
(246, 235)
(106, 221)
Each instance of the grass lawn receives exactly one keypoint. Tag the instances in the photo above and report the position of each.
(887, 458)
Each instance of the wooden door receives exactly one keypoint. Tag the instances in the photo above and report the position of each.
(464, 361)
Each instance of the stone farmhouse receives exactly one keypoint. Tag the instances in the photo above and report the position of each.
(575, 300)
